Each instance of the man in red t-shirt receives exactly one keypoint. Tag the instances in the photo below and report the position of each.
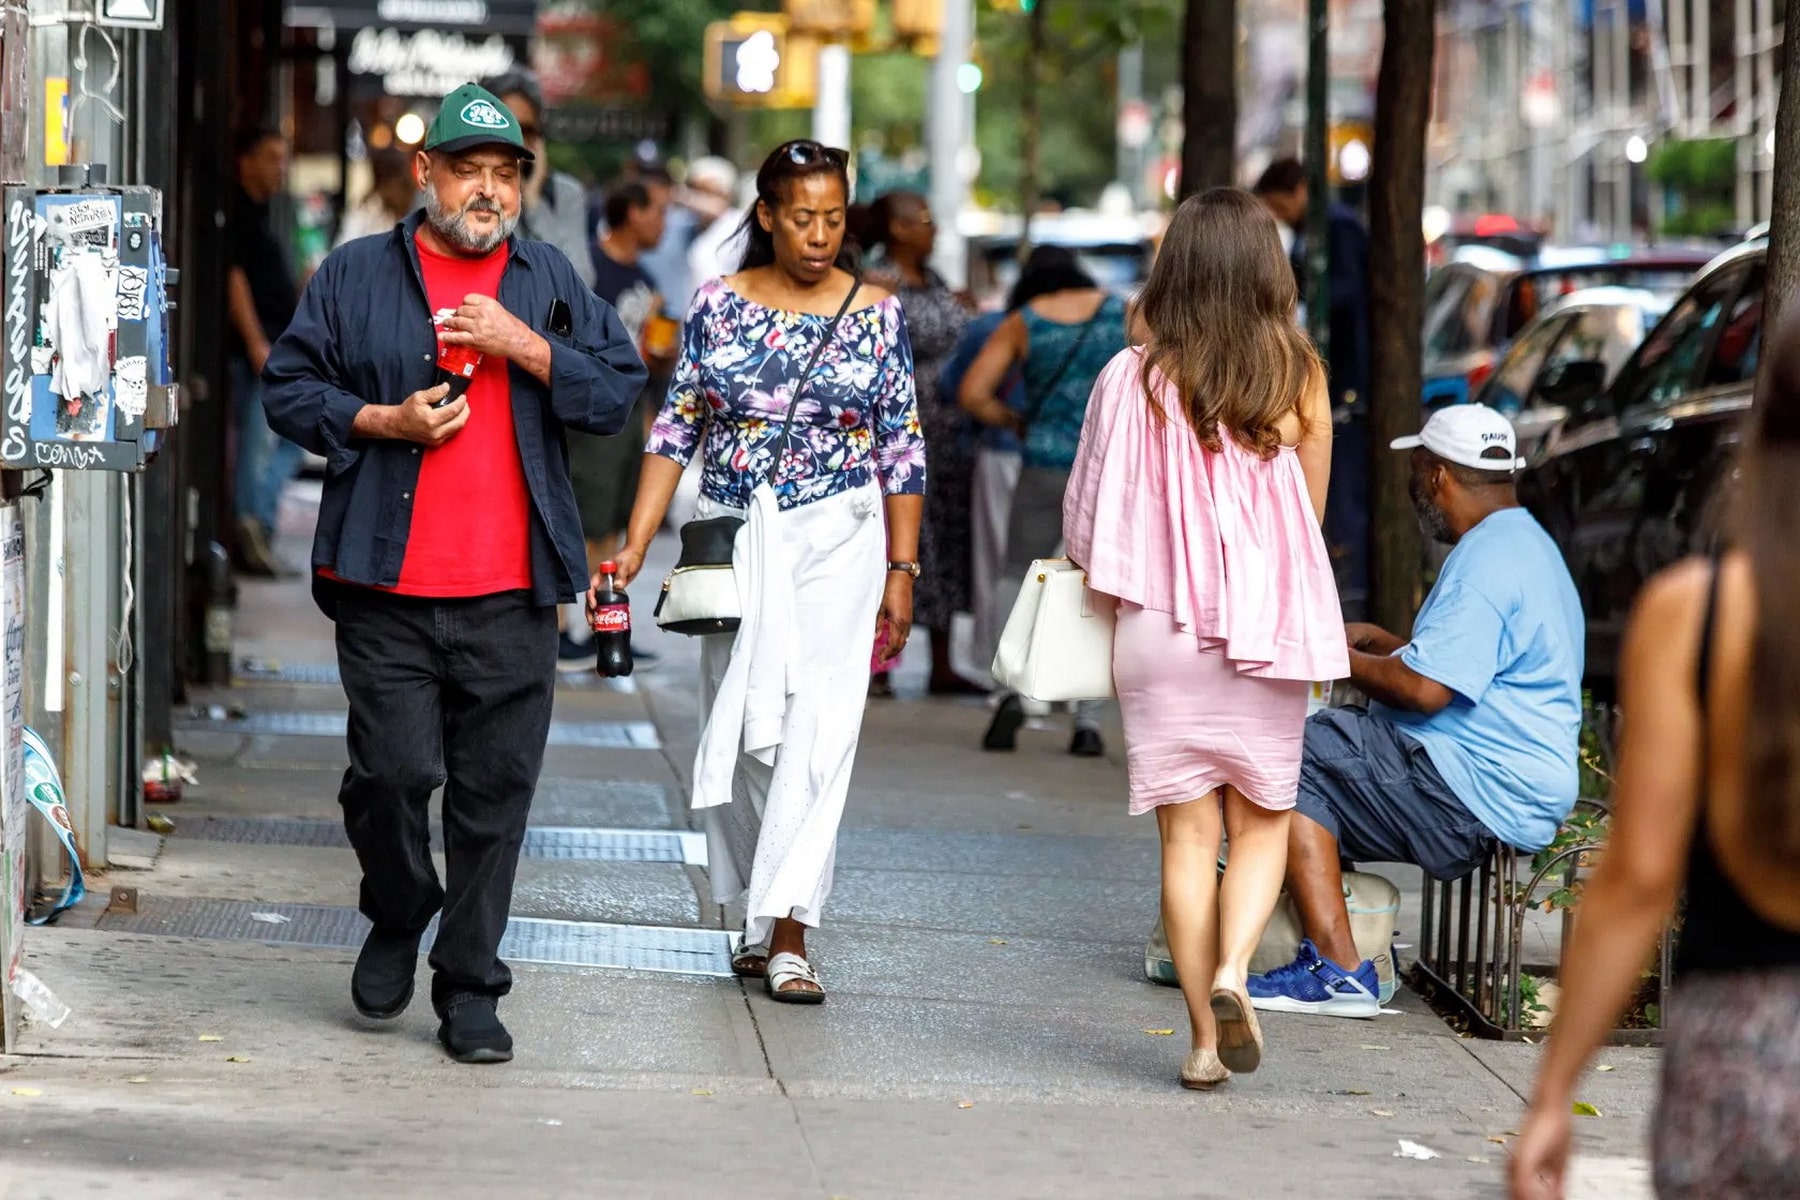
(447, 537)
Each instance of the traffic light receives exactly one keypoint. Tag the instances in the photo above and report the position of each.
(831, 20)
(754, 60)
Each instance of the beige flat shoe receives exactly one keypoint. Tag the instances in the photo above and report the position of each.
(1240, 1037)
(1203, 1071)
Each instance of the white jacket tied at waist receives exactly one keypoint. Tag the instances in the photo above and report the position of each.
(751, 706)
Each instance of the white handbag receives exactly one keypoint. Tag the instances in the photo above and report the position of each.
(1058, 642)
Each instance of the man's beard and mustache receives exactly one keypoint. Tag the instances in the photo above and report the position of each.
(1434, 521)
(453, 224)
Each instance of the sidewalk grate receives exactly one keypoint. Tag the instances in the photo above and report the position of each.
(528, 939)
(265, 670)
(597, 735)
(560, 843)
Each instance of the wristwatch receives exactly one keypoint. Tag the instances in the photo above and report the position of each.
(911, 568)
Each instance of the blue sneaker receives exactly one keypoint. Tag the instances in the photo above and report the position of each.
(1316, 985)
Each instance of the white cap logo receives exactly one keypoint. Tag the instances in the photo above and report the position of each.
(484, 114)
(1470, 435)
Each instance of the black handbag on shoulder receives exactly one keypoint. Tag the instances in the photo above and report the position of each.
(700, 596)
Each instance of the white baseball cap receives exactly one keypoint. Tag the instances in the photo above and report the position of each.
(1469, 435)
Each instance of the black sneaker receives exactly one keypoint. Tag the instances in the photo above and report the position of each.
(1003, 731)
(382, 985)
(569, 650)
(1087, 743)
(471, 1030)
(639, 654)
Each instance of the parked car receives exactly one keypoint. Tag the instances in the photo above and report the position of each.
(1479, 302)
(1577, 346)
(1495, 230)
(1633, 479)
(1116, 251)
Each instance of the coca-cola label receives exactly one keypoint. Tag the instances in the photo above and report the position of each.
(612, 618)
(455, 360)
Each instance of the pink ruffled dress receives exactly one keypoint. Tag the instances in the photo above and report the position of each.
(1228, 610)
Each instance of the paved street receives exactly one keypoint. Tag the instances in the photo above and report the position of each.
(988, 1031)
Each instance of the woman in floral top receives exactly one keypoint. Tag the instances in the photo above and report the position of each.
(826, 558)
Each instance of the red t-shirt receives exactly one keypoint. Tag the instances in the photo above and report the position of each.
(471, 513)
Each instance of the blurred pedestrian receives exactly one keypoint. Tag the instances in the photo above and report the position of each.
(605, 469)
(1061, 339)
(447, 537)
(391, 196)
(1195, 502)
(901, 234)
(819, 570)
(994, 475)
(699, 199)
(1707, 800)
(719, 249)
(261, 293)
(1283, 188)
(555, 203)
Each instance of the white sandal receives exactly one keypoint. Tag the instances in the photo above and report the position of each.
(784, 969)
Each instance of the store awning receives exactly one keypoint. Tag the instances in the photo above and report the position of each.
(508, 18)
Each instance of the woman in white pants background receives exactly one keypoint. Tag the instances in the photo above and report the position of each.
(825, 561)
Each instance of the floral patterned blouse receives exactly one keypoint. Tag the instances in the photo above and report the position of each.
(856, 422)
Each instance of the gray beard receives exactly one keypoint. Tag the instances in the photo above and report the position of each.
(453, 224)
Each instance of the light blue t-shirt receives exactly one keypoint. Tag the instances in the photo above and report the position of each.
(1503, 630)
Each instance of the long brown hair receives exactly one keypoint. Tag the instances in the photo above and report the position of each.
(1766, 512)
(1219, 305)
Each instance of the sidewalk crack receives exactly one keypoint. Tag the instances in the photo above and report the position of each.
(1463, 1045)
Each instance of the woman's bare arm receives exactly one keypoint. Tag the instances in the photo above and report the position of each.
(980, 392)
(1656, 801)
(1315, 442)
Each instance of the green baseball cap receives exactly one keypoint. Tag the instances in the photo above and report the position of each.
(472, 116)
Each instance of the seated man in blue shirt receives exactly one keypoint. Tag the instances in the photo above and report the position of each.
(1473, 731)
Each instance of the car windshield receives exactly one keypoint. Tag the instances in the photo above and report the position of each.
(1459, 310)
(1533, 292)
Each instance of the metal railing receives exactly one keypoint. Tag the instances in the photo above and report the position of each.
(1472, 935)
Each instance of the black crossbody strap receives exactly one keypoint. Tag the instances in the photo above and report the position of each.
(806, 375)
(1049, 389)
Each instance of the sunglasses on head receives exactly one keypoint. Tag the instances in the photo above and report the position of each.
(808, 153)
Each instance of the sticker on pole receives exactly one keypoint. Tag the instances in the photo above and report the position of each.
(43, 788)
(131, 14)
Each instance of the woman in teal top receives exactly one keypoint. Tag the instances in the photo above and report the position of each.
(1061, 337)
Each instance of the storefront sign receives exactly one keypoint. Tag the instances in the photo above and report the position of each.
(508, 18)
(429, 62)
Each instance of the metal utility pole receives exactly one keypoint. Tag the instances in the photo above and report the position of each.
(1128, 161)
(950, 108)
(1318, 175)
(831, 110)
(1031, 118)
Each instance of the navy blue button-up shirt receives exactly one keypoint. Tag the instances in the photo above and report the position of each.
(364, 335)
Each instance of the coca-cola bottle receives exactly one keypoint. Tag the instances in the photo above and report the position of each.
(611, 622)
(455, 364)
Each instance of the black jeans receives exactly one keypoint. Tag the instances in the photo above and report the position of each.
(451, 693)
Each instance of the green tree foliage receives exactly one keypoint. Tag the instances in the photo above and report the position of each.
(1079, 108)
(1702, 175)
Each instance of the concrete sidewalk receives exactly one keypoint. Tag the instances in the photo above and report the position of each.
(988, 1031)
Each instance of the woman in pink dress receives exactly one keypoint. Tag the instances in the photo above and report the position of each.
(1196, 502)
